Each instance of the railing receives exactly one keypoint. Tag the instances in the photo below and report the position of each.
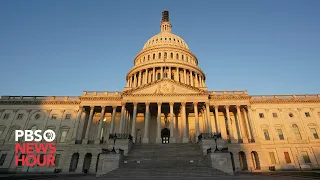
(292, 96)
(121, 136)
(209, 136)
(228, 92)
(39, 98)
(101, 93)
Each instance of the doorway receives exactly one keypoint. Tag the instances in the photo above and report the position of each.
(165, 135)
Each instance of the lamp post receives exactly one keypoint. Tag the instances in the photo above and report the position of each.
(114, 143)
(215, 137)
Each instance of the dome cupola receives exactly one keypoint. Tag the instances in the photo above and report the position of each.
(165, 55)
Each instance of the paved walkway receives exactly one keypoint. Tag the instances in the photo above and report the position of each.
(266, 176)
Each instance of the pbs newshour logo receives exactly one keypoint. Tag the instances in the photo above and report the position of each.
(33, 151)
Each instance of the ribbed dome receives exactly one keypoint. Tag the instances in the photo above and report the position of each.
(165, 38)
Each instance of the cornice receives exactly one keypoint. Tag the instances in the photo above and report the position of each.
(284, 101)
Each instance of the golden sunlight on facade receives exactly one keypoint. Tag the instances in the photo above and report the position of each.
(166, 104)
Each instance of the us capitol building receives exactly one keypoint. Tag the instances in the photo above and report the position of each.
(166, 102)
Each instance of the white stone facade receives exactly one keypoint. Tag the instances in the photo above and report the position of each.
(166, 89)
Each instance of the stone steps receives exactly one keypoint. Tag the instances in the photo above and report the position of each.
(164, 161)
(165, 172)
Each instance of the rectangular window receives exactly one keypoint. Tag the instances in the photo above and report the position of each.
(54, 116)
(266, 134)
(305, 157)
(2, 159)
(68, 116)
(307, 114)
(313, 131)
(281, 137)
(56, 160)
(261, 115)
(20, 116)
(275, 115)
(272, 158)
(6, 116)
(287, 157)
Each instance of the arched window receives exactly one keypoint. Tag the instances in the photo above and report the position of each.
(2, 128)
(171, 55)
(296, 131)
(182, 57)
(148, 57)
(154, 56)
(159, 55)
(63, 135)
(165, 55)
(266, 134)
(177, 56)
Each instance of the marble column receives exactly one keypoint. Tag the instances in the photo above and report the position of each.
(89, 124)
(76, 126)
(185, 138)
(146, 124)
(134, 119)
(139, 78)
(185, 76)
(172, 138)
(169, 75)
(134, 80)
(217, 122)
(146, 77)
(208, 117)
(177, 74)
(242, 130)
(191, 78)
(122, 117)
(158, 140)
(229, 124)
(247, 123)
(196, 117)
(154, 74)
(103, 109)
(113, 117)
(197, 81)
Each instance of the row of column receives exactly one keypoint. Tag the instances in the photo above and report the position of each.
(128, 122)
(180, 74)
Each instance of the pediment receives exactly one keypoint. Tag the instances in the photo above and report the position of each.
(165, 86)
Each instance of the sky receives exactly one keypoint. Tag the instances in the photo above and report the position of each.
(62, 48)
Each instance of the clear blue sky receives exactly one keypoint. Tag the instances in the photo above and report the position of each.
(66, 47)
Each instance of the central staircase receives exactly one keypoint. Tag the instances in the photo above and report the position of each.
(164, 161)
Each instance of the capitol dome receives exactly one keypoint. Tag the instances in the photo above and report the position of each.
(165, 55)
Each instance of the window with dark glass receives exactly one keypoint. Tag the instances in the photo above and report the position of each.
(290, 115)
(307, 114)
(272, 158)
(20, 116)
(275, 115)
(68, 116)
(261, 115)
(281, 137)
(266, 134)
(315, 133)
(287, 157)
(305, 157)
(2, 159)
